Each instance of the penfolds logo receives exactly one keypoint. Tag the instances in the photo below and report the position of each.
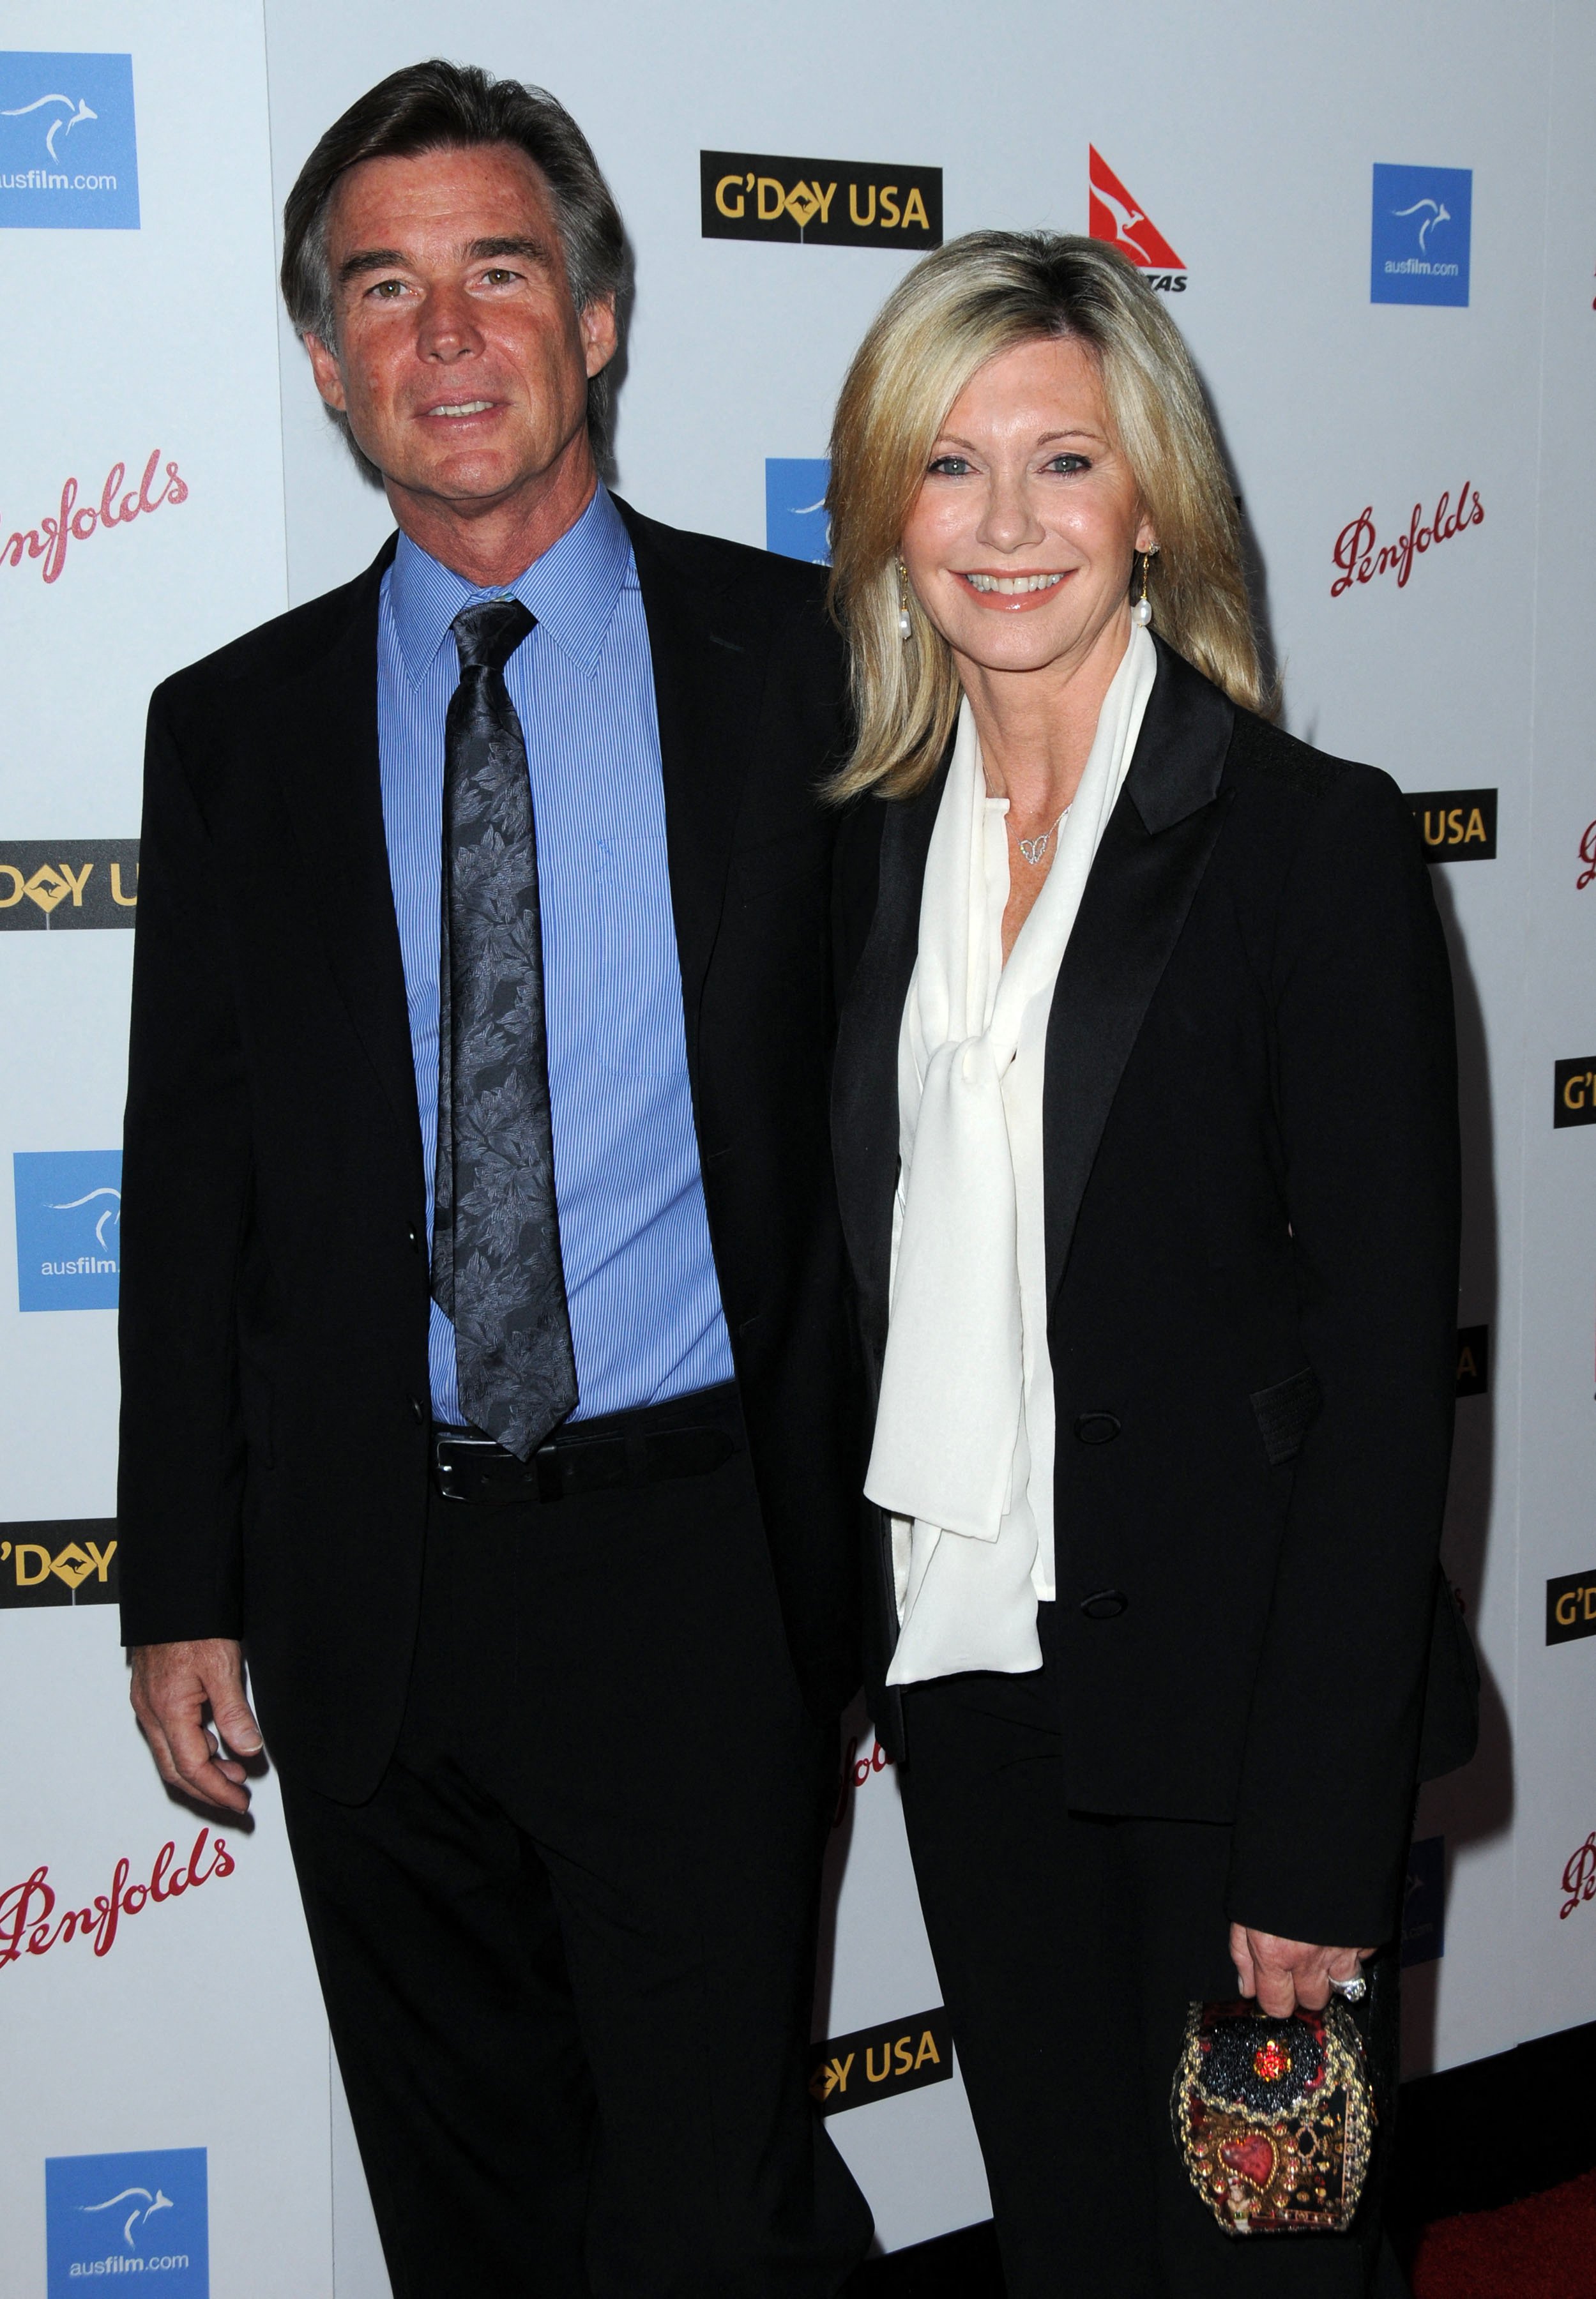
(30, 1924)
(1360, 555)
(857, 1773)
(74, 521)
(1587, 855)
(1579, 1877)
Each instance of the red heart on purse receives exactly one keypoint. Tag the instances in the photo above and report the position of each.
(1253, 2157)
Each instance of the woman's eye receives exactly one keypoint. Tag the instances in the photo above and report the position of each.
(1065, 464)
(949, 467)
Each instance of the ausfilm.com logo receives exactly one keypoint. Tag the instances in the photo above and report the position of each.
(1419, 235)
(796, 526)
(69, 155)
(69, 1206)
(143, 2213)
(1114, 216)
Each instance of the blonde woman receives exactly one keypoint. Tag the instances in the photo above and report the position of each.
(1146, 1133)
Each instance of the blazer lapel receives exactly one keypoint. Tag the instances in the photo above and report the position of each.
(1147, 871)
(708, 676)
(864, 1099)
(327, 759)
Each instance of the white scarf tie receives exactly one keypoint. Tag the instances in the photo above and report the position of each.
(963, 1453)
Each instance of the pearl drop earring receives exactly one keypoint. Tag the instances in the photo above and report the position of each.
(1142, 610)
(905, 628)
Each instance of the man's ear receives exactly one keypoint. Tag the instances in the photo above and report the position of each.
(599, 334)
(324, 367)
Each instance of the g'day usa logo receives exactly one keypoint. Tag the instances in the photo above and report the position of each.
(142, 2214)
(69, 1228)
(58, 1561)
(879, 2062)
(1112, 215)
(820, 202)
(1574, 1091)
(1418, 242)
(68, 154)
(1457, 825)
(47, 885)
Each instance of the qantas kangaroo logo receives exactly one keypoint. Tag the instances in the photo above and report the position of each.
(1114, 216)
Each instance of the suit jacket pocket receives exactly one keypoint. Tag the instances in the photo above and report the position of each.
(1286, 1413)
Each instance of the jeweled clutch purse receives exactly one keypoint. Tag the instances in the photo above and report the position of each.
(1274, 2118)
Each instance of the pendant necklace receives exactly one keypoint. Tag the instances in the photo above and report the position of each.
(1033, 849)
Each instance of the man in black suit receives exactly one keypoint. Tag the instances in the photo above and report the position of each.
(483, 1351)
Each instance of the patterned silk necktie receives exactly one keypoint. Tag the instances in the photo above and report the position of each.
(496, 1234)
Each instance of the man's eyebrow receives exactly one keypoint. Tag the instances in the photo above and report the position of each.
(371, 258)
(478, 250)
(535, 251)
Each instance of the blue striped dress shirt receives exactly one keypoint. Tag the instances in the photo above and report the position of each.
(645, 1312)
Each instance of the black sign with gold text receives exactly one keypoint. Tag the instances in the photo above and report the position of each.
(1474, 1360)
(1574, 1091)
(60, 1561)
(1455, 825)
(878, 2062)
(820, 202)
(47, 883)
(1570, 1607)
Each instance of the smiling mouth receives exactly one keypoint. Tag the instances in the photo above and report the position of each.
(1014, 586)
(463, 407)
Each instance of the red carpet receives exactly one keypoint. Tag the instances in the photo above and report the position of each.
(1541, 2249)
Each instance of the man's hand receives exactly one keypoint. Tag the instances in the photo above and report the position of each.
(173, 1687)
(1283, 1973)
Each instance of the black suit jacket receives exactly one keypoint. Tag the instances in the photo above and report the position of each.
(1250, 1149)
(274, 1290)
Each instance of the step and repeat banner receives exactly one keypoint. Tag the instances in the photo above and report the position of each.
(1377, 228)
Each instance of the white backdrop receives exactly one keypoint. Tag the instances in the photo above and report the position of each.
(1250, 131)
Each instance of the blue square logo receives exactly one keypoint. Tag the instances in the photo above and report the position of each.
(795, 520)
(143, 2215)
(67, 156)
(1424, 1909)
(1419, 249)
(68, 1227)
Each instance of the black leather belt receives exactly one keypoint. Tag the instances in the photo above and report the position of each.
(686, 1437)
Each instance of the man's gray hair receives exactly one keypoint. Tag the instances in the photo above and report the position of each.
(437, 107)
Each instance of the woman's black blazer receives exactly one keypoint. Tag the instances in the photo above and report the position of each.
(1251, 1141)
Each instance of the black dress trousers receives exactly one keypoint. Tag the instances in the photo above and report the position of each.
(568, 1947)
(1068, 1946)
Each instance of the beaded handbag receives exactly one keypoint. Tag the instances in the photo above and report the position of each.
(1274, 2118)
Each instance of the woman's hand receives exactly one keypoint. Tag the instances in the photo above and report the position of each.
(1285, 1973)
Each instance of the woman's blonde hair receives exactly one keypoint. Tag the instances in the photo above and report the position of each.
(977, 296)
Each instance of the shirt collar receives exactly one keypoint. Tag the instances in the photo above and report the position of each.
(572, 591)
